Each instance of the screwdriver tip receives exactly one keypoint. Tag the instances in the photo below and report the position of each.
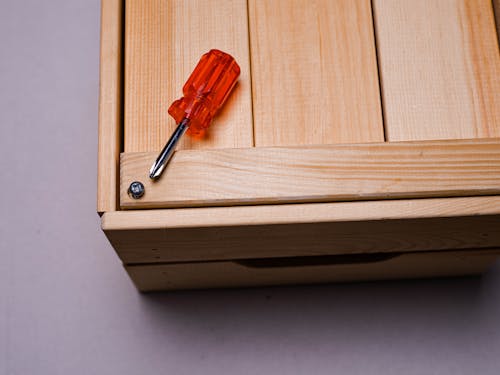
(155, 170)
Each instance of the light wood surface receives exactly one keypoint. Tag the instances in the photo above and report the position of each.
(400, 209)
(216, 233)
(333, 40)
(314, 72)
(440, 68)
(164, 42)
(110, 87)
(316, 174)
(230, 274)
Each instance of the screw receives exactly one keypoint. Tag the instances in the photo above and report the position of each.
(136, 189)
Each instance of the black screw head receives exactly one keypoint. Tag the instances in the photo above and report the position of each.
(136, 189)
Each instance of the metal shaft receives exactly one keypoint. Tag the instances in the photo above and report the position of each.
(167, 152)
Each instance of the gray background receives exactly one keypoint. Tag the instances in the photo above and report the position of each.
(67, 306)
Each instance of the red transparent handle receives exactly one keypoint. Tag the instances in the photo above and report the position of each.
(206, 90)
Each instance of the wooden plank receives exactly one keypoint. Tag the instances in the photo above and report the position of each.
(163, 277)
(217, 233)
(314, 72)
(316, 174)
(401, 209)
(164, 41)
(110, 87)
(440, 69)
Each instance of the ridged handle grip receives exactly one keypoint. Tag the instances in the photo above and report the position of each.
(206, 90)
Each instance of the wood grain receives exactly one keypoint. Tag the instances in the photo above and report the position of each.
(301, 213)
(164, 41)
(440, 69)
(314, 72)
(316, 174)
(217, 233)
(162, 277)
(110, 122)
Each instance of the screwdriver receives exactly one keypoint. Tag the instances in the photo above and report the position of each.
(205, 91)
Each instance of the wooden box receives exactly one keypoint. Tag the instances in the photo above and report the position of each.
(361, 142)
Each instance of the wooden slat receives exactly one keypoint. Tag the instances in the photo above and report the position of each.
(440, 68)
(110, 87)
(316, 174)
(216, 233)
(302, 213)
(164, 41)
(230, 274)
(314, 72)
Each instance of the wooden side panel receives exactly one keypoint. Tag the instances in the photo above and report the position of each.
(164, 41)
(440, 68)
(314, 72)
(110, 87)
(316, 174)
(219, 233)
(230, 274)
